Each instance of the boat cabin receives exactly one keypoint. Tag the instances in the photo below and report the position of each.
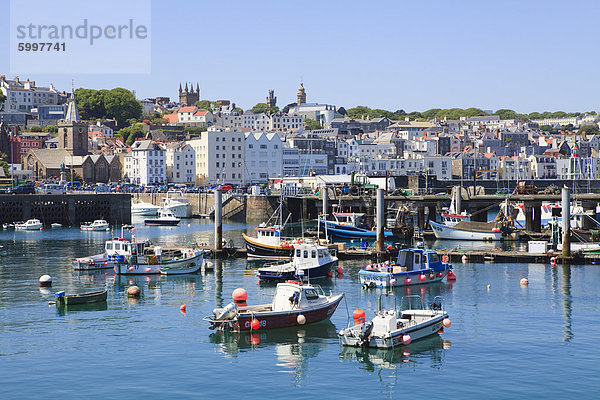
(311, 254)
(291, 295)
(418, 259)
(349, 219)
(119, 246)
(451, 219)
(269, 234)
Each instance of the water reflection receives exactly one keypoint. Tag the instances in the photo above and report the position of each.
(63, 310)
(431, 350)
(293, 347)
(567, 302)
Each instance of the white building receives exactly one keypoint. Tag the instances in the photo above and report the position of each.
(145, 164)
(312, 163)
(543, 167)
(290, 161)
(263, 157)
(219, 156)
(181, 163)
(104, 130)
(194, 116)
(322, 113)
(515, 168)
(23, 96)
(577, 168)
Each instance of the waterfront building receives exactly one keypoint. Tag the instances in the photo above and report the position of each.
(290, 161)
(543, 167)
(219, 156)
(146, 164)
(181, 163)
(263, 157)
(577, 167)
(23, 96)
(515, 168)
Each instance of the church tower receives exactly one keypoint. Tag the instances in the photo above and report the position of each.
(301, 94)
(73, 132)
(271, 99)
(187, 97)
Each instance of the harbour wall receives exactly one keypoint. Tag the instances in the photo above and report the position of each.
(68, 209)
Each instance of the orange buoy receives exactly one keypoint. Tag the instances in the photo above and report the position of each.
(255, 325)
(446, 322)
(183, 308)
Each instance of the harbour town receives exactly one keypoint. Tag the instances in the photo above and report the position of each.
(298, 200)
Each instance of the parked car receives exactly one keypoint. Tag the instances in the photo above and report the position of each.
(225, 188)
(23, 189)
(52, 188)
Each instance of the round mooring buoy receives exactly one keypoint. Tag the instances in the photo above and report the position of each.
(133, 291)
(45, 280)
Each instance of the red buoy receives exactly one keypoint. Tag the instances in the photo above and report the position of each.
(255, 325)
(358, 316)
(450, 276)
(239, 294)
(422, 278)
(407, 281)
(340, 270)
(182, 308)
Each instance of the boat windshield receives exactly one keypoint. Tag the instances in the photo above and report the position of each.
(311, 294)
(433, 258)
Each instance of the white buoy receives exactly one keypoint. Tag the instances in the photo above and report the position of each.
(524, 281)
(45, 280)
(301, 319)
(464, 259)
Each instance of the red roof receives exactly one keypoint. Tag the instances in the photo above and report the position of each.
(171, 118)
(201, 112)
(186, 109)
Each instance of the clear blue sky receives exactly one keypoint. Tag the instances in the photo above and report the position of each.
(411, 55)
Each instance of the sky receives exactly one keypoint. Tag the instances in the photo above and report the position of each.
(412, 55)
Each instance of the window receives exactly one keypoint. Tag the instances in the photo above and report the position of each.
(263, 146)
(217, 139)
(311, 294)
(217, 155)
(313, 254)
(305, 253)
(232, 165)
(250, 146)
(217, 164)
(217, 147)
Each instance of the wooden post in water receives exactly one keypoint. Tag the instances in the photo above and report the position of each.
(566, 221)
(380, 220)
(218, 220)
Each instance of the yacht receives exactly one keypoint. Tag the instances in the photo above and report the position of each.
(29, 225)
(145, 209)
(177, 204)
(165, 217)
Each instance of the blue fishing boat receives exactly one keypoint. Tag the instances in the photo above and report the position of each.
(412, 267)
(348, 226)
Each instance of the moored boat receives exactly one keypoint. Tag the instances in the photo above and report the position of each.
(311, 260)
(294, 304)
(467, 230)
(412, 267)
(139, 259)
(63, 299)
(29, 225)
(6, 226)
(348, 226)
(269, 243)
(165, 218)
(56, 225)
(177, 204)
(144, 209)
(390, 328)
(97, 225)
(191, 267)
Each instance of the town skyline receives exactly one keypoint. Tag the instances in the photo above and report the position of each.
(434, 59)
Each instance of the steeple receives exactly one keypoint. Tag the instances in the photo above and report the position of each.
(198, 89)
(186, 88)
(72, 111)
(179, 87)
(301, 94)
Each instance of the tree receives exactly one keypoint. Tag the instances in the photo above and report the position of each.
(122, 105)
(286, 109)
(546, 128)
(90, 103)
(2, 99)
(506, 114)
(205, 105)
(589, 129)
(312, 125)
(262, 108)
(36, 128)
(51, 128)
(131, 133)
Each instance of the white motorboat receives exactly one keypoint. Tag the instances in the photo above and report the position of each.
(144, 209)
(177, 204)
(97, 225)
(472, 232)
(7, 226)
(112, 248)
(140, 259)
(30, 225)
(390, 328)
(310, 260)
(56, 225)
(184, 269)
(165, 217)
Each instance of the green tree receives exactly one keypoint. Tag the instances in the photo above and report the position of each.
(90, 103)
(51, 128)
(312, 125)
(122, 105)
(131, 133)
(205, 105)
(589, 129)
(506, 114)
(261, 108)
(36, 128)
(546, 128)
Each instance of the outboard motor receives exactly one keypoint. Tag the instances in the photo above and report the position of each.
(227, 312)
(365, 333)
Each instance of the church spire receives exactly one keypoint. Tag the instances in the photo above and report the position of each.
(186, 87)
(179, 87)
(72, 111)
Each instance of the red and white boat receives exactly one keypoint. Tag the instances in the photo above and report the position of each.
(294, 304)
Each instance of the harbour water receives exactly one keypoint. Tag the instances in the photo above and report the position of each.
(506, 340)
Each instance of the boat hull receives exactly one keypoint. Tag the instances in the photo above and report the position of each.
(190, 268)
(84, 298)
(446, 232)
(133, 268)
(159, 222)
(92, 263)
(180, 210)
(259, 250)
(351, 232)
(321, 271)
(389, 279)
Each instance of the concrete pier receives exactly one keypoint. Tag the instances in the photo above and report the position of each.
(566, 221)
(218, 220)
(380, 219)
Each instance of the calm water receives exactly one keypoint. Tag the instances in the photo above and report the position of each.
(507, 341)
